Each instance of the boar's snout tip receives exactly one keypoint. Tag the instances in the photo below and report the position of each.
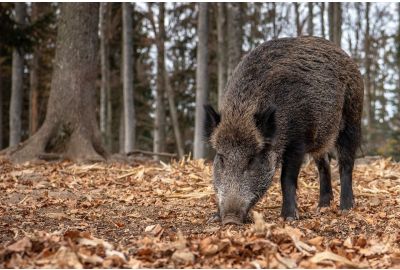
(232, 220)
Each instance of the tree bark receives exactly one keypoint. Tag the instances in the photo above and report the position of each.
(201, 81)
(34, 81)
(310, 24)
(160, 119)
(398, 61)
(235, 36)
(1, 105)
(222, 50)
(105, 99)
(367, 76)
(17, 82)
(129, 111)
(335, 22)
(174, 116)
(70, 127)
(322, 18)
(298, 23)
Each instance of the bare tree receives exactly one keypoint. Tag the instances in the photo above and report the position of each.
(17, 81)
(70, 127)
(201, 80)
(310, 24)
(127, 58)
(235, 36)
(34, 80)
(322, 18)
(398, 59)
(174, 116)
(222, 49)
(367, 75)
(1, 105)
(105, 95)
(335, 22)
(160, 119)
(297, 14)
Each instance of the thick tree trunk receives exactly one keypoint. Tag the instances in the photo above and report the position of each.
(34, 81)
(297, 14)
(129, 112)
(174, 116)
(222, 50)
(235, 36)
(1, 106)
(160, 119)
(335, 22)
(322, 18)
(17, 82)
(201, 81)
(105, 110)
(367, 76)
(70, 127)
(310, 24)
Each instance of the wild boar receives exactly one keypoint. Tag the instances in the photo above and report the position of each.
(286, 98)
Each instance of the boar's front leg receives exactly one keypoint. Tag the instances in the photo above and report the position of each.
(292, 160)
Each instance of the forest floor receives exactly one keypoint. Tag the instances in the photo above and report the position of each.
(147, 214)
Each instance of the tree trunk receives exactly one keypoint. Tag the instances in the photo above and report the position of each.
(129, 111)
(222, 50)
(310, 24)
(160, 119)
(322, 17)
(398, 61)
(367, 77)
(34, 81)
(335, 22)
(201, 81)
(1, 105)
(174, 116)
(235, 36)
(297, 14)
(105, 99)
(70, 127)
(17, 82)
(273, 19)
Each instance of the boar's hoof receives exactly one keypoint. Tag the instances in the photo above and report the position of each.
(231, 220)
(290, 218)
(344, 212)
(214, 218)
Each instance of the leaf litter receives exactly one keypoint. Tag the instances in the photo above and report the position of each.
(154, 215)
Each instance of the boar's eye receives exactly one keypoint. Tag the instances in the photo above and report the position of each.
(221, 159)
(251, 162)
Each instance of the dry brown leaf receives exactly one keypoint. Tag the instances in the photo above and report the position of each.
(328, 255)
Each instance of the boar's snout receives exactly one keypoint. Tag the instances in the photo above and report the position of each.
(234, 210)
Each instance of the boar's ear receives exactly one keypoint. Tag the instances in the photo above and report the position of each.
(265, 122)
(212, 120)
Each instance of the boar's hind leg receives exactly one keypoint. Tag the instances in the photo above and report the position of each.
(292, 160)
(325, 186)
(347, 143)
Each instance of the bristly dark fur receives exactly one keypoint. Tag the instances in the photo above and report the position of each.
(310, 94)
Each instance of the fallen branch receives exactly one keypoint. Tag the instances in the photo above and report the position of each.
(151, 153)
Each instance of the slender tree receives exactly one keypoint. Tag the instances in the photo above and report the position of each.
(127, 51)
(160, 119)
(298, 22)
(34, 80)
(201, 80)
(335, 22)
(367, 75)
(398, 60)
(310, 24)
(222, 49)
(17, 81)
(322, 18)
(105, 95)
(70, 128)
(235, 36)
(174, 116)
(1, 105)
